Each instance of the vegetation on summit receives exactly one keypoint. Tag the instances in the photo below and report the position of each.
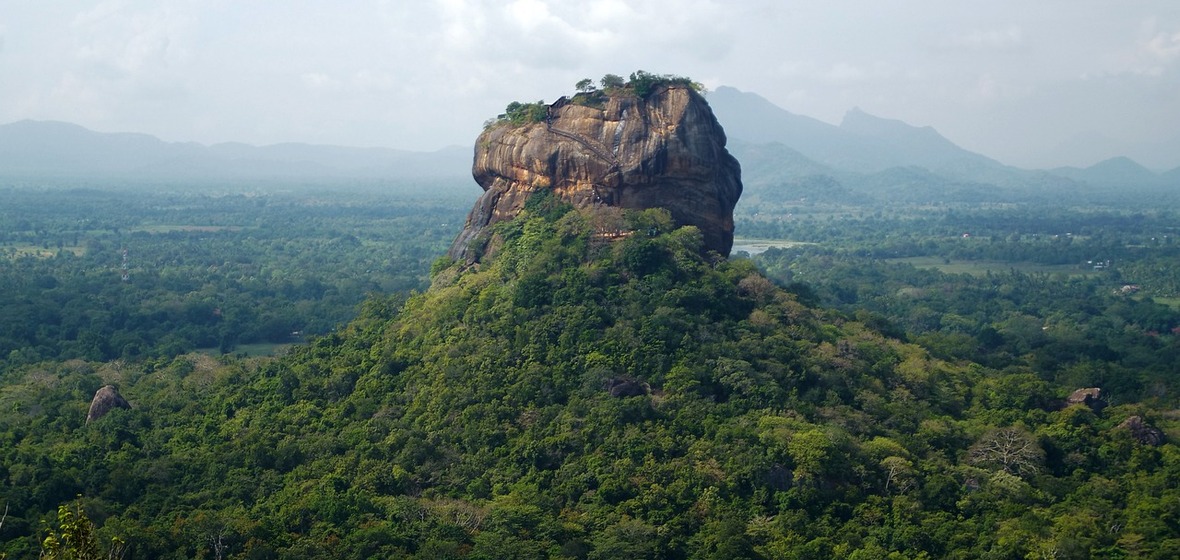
(640, 84)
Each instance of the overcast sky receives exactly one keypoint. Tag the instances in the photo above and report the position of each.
(1033, 83)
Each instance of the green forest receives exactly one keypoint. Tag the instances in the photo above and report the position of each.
(202, 270)
(891, 383)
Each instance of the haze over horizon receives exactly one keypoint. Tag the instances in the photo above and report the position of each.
(1035, 85)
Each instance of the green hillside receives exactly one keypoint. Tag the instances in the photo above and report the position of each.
(574, 397)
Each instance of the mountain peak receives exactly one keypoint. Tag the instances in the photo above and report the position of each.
(858, 121)
(1120, 171)
(1122, 164)
(862, 143)
(855, 113)
(608, 150)
(32, 124)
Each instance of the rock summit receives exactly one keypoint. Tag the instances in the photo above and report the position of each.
(615, 148)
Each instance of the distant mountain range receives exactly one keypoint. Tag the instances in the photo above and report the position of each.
(1117, 171)
(63, 151)
(779, 150)
(886, 156)
(862, 143)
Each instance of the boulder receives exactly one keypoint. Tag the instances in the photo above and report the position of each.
(620, 388)
(1089, 396)
(663, 150)
(105, 400)
(1142, 431)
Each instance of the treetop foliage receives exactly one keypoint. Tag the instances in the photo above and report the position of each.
(518, 113)
(640, 84)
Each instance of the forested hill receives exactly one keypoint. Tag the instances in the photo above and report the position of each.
(574, 397)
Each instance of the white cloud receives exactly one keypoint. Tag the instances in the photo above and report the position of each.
(536, 35)
(377, 81)
(990, 88)
(1152, 53)
(128, 40)
(848, 74)
(844, 73)
(1004, 39)
(608, 12)
(1163, 47)
(78, 98)
(99, 13)
(462, 24)
(318, 81)
(530, 14)
(794, 68)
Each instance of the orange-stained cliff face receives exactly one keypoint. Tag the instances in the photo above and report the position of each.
(663, 151)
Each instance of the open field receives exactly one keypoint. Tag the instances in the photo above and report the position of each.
(39, 251)
(755, 246)
(979, 268)
(1173, 302)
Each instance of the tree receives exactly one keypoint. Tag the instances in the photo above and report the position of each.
(2, 518)
(899, 474)
(522, 113)
(811, 450)
(585, 85)
(629, 538)
(75, 538)
(612, 81)
(1012, 449)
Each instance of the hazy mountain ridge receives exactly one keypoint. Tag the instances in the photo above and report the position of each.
(865, 151)
(1120, 171)
(50, 149)
(904, 144)
(862, 143)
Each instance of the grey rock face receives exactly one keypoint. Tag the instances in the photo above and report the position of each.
(105, 400)
(663, 151)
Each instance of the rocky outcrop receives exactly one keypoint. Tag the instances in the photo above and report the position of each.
(105, 400)
(1089, 396)
(1143, 432)
(665, 150)
(620, 388)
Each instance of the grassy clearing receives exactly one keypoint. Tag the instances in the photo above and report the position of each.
(979, 268)
(755, 246)
(1173, 302)
(38, 251)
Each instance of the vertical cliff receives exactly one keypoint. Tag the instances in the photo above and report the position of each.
(617, 149)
